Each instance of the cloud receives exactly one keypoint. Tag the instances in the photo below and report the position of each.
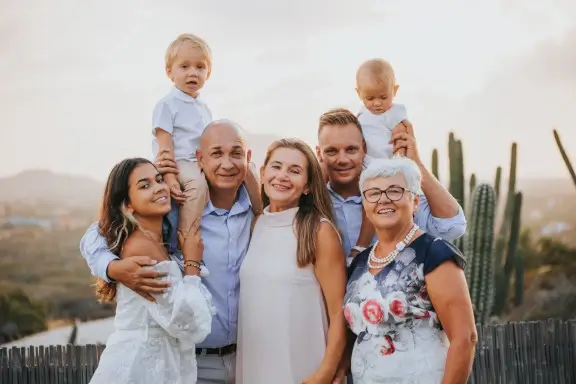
(522, 102)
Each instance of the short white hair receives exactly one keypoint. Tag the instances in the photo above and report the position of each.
(390, 167)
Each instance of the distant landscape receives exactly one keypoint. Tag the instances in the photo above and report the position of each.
(43, 215)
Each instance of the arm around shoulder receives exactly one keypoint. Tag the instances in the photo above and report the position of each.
(95, 251)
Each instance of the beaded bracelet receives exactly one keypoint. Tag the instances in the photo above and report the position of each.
(193, 263)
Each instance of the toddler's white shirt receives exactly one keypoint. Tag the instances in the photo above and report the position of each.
(185, 118)
(377, 130)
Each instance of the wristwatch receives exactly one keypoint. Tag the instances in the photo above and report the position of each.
(358, 248)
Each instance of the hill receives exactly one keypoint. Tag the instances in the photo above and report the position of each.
(47, 186)
(41, 185)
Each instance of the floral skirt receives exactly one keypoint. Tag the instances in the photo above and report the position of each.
(407, 356)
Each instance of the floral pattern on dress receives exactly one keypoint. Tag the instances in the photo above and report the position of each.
(393, 317)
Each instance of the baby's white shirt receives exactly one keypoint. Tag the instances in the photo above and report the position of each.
(377, 130)
(185, 118)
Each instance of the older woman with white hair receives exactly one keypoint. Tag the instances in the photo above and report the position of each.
(407, 301)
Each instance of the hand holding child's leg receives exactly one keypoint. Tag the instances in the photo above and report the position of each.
(175, 188)
(196, 191)
(252, 183)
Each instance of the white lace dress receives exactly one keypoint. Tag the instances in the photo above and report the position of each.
(155, 343)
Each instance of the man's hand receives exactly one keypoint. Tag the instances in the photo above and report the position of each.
(129, 272)
(353, 253)
(403, 139)
(165, 162)
(175, 189)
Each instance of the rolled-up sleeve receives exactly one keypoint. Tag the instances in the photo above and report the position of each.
(448, 229)
(95, 251)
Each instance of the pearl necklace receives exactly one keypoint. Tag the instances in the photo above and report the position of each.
(376, 262)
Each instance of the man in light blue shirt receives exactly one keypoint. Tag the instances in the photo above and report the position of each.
(341, 150)
(226, 225)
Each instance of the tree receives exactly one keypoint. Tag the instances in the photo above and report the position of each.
(19, 315)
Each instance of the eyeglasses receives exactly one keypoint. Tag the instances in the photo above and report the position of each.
(394, 193)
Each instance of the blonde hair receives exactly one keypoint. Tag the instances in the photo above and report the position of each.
(377, 70)
(338, 116)
(188, 38)
(313, 207)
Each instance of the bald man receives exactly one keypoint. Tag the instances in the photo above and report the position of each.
(226, 224)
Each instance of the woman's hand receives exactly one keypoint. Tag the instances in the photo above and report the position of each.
(340, 377)
(191, 243)
(319, 377)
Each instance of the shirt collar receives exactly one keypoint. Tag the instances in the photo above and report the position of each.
(354, 199)
(241, 205)
(183, 96)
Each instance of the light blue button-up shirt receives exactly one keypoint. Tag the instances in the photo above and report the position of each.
(349, 220)
(226, 235)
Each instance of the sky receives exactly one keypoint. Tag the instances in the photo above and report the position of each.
(79, 79)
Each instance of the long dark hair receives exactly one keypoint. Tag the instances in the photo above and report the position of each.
(313, 206)
(115, 224)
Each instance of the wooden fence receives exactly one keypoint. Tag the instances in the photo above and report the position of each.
(517, 353)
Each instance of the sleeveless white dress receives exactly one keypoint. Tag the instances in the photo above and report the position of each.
(156, 342)
(282, 320)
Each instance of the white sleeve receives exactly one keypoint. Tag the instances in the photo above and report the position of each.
(95, 251)
(184, 310)
(162, 117)
(395, 115)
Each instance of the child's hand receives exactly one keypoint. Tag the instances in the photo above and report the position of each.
(175, 190)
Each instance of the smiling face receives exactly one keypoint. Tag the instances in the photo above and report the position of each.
(148, 195)
(190, 69)
(385, 213)
(285, 178)
(341, 150)
(223, 156)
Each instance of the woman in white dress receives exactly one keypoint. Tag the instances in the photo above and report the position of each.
(154, 342)
(291, 327)
(407, 302)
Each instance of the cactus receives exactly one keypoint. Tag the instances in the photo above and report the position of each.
(565, 156)
(478, 244)
(435, 164)
(503, 280)
(519, 278)
(456, 188)
(456, 169)
(497, 180)
(471, 186)
(509, 207)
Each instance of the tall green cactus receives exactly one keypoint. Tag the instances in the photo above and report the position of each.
(565, 156)
(455, 155)
(435, 164)
(471, 186)
(456, 188)
(519, 278)
(478, 244)
(503, 280)
(497, 181)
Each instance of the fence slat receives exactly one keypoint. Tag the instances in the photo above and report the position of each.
(541, 352)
